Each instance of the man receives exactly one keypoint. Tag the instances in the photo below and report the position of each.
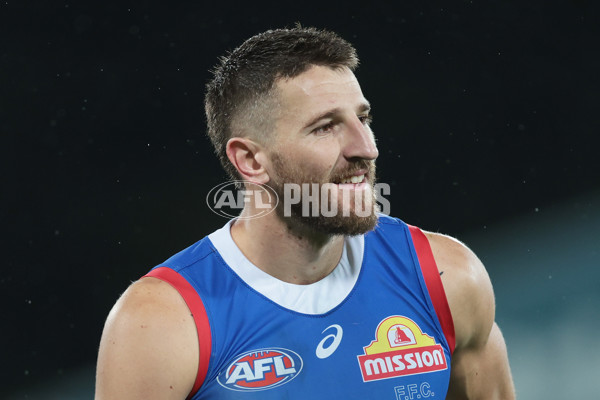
(293, 306)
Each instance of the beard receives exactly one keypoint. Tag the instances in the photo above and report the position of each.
(356, 209)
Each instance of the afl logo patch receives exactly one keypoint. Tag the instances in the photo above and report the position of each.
(261, 369)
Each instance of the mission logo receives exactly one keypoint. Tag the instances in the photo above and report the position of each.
(400, 348)
(261, 369)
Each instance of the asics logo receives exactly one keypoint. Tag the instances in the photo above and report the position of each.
(330, 343)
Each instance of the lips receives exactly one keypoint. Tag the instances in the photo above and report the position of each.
(353, 179)
(354, 176)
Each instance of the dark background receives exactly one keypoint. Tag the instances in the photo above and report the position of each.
(483, 112)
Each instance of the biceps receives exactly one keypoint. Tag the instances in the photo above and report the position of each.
(483, 372)
(134, 366)
(148, 348)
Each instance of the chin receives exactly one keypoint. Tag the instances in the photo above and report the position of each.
(351, 225)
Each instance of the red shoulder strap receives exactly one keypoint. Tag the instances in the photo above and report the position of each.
(194, 303)
(434, 284)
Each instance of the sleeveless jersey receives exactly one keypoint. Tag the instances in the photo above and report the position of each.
(377, 327)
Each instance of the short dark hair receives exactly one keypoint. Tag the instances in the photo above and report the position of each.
(245, 77)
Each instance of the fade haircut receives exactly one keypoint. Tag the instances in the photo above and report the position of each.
(240, 97)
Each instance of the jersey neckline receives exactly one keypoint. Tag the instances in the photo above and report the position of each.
(316, 298)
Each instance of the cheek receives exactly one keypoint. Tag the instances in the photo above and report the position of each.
(316, 159)
(323, 156)
(317, 166)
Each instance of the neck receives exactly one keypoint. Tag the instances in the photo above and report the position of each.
(291, 253)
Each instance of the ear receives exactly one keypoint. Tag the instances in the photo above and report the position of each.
(248, 157)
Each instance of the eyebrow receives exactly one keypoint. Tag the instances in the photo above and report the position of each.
(365, 106)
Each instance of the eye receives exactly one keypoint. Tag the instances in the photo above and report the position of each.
(324, 128)
(366, 119)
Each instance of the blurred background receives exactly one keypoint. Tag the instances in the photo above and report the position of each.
(486, 115)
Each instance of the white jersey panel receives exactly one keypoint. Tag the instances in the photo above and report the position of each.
(317, 298)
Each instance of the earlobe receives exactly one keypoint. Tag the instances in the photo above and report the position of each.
(247, 157)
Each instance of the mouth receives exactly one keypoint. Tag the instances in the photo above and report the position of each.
(354, 180)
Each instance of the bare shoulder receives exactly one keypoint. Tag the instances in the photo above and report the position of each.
(468, 288)
(480, 367)
(149, 346)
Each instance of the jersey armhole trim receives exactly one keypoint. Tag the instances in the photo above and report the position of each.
(194, 303)
(433, 281)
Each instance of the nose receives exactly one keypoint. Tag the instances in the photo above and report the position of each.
(360, 142)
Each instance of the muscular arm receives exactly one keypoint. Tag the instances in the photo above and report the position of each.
(480, 368)
(149, 347)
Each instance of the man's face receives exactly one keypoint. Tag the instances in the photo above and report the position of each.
(322, 136)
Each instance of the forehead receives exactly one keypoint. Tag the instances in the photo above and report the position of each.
(318, 89)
